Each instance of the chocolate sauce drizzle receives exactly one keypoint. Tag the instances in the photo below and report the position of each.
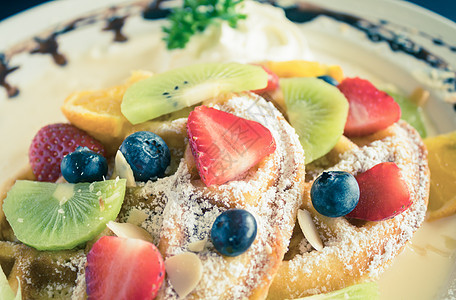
(381, 32)
(116, 24)
(116, 16)
(4, 71)
(47, 43)
(376, 32)
(153, 11)
(50, 46)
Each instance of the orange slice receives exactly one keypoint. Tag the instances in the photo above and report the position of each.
(442, 163)
(303, 68)
(98, 112)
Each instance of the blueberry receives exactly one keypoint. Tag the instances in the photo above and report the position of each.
(329, 80)
(83, 165)
(147, 154)
(335, 193)
(233, 232)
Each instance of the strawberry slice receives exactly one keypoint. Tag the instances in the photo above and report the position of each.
(273, 82)
(383, 193)
(121, 268)
(225, 146)
(370, 110)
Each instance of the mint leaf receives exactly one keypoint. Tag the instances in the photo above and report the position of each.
(195, 16)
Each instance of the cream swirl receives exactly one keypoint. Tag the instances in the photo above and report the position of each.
(266, 33)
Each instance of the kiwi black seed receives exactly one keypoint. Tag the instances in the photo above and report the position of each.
(56, 216)
(173, 90)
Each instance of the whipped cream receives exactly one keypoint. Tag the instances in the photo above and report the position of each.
(265, 34)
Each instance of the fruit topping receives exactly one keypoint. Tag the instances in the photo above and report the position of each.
(442, 163)
(52, 143)
(318, 111)
(173, 90)
(55, 216)
(309, 230)
(335, 193)
(147, 154)
(329, 80)
(383, 193)
(98, 111)
(84, 165)
(303, 68)
(225, 146)
(273, 82)
(411, 113)
(184, 271)
(370, 110)
(233, 232)
(121, 268)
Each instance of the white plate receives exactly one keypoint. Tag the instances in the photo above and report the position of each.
(94, 61)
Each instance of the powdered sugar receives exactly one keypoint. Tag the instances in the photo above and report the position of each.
(353, 252)
(180, 210)
(185, 209)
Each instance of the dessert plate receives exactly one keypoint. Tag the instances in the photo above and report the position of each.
(64, 46)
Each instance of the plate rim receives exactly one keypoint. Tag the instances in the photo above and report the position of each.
(64, 9)
(17, 21)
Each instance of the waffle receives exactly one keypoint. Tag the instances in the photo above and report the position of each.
(280, 264)
(43, 274)
(181, 210)
(272, 192)
(356, 251)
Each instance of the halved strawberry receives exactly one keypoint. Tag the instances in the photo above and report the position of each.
(121, 268)
(51, 143)
(273, 82)
(383, 193)
(225, 146)
(370, 110)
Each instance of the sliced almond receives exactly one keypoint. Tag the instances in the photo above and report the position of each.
(309, 230)
(184, 272)
(136, 216)
(61, 180)
(128, 230)
(197, 246)
(123, 169)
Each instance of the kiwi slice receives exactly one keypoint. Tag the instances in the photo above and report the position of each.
(411, 113)
(173, 90)
(56, 216)
(361, 291)
(318, 111)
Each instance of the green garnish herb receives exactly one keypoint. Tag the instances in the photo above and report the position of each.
(195, 16)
